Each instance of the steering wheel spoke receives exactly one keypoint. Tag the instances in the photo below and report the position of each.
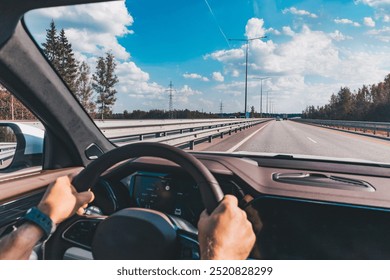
(187, 236)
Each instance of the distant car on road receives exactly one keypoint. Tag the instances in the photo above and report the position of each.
(278, 118)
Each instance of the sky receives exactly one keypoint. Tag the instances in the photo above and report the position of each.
(311, 49)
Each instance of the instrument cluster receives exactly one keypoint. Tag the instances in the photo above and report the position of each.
(172, 194)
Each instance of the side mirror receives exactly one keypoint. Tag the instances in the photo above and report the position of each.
(21, 146)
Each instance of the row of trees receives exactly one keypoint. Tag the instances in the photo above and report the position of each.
(11, 108)
(162, 114)
(94, 92)
(369, 103)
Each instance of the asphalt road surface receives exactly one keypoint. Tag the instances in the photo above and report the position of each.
(288, 137)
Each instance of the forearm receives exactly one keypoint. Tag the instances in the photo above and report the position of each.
(18, 245)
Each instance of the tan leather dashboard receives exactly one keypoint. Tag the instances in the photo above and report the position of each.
(12, 187)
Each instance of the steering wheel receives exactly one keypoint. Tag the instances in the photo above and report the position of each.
(136, 233)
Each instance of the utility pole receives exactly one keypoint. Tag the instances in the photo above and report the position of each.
(247, 40)
(221, 109)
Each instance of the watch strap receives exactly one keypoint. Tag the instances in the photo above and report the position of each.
(36, 216)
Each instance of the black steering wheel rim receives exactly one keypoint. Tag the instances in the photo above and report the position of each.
(209, 187)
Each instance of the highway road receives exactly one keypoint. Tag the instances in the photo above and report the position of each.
(288, 137)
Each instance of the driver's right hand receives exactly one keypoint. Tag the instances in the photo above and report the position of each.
(226, 234)
(61, 200)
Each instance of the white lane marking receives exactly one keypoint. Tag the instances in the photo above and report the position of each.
(311, 140)
(246, 139)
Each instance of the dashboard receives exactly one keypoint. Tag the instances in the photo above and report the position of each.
(299, 210)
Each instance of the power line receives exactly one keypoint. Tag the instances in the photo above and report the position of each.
(216, 22)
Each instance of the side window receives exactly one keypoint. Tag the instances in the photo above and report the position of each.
(21, 136)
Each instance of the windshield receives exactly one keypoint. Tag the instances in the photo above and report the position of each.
(282, 77)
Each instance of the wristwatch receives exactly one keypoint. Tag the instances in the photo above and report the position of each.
(37, 217)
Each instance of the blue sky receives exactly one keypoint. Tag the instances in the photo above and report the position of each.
(311, 50)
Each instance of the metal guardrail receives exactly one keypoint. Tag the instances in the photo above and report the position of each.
(127, 131)
(177, 132)
(375, 127)
(7, 151)
(192, 136)
(5, 146)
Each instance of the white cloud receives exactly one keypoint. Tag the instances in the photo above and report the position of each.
(381, 7)
(93, 29)
(182, 97)
(347, 21)
(134, 84)
(307, 68)
(217, 76)
(235, 73)
(232, 88)
(188, 91)
(307, 52)
(295, 11)
(226, 55)
(255, 28)
(195, 76)
(338, 36)
(288, 31)
(382, 34)
(273, 31)
(368, 21)
(95, 44)
(132, 72)
(374, 3)
(135, 89)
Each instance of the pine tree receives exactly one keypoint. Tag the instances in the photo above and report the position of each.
(68, 65)
(83, 88)
(50, 47)
(252, 111)
(59, 52)
(104, 81)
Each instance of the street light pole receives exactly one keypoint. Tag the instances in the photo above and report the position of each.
(261, 93)
(246, 78)
(246, 67)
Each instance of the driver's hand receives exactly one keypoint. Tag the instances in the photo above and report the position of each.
(226, 234)
(62, 201)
